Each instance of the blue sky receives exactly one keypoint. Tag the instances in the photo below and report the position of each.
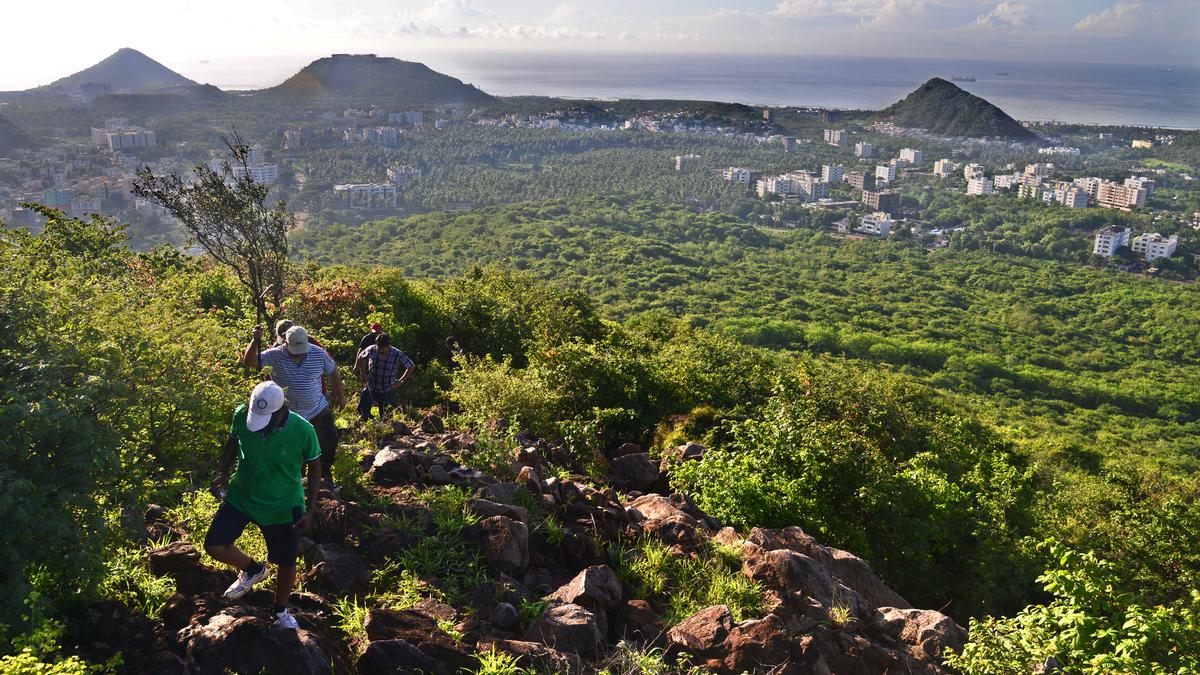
(183, 31)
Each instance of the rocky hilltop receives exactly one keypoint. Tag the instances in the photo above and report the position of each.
(554, 592)
(943, 108)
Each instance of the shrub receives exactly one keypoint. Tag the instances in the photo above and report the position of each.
(685, 585)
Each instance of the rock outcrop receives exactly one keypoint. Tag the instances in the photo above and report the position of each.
(825, 610)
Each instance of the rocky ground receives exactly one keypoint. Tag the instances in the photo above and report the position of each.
(825, 611)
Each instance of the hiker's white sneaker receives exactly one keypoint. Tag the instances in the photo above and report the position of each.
(285, 620)
(244, 583)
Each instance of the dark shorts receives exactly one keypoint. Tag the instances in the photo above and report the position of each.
(283, 542)
(327, 436)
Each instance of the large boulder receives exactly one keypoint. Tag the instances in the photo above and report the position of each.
(658, 507)
(181, 561)
(569, 628)
(249, 645)
(636, 620)
(681, 453)
(421, 631)
(702, 634)
(336, 567)
(846, 567)
(396, 657)
(633, 472)
(486, 508)
(679, 532)
(792, 575)
(596, 587)
(504, 543)
(534, 656)
(927, 633)
(757, 645)
(394, 466)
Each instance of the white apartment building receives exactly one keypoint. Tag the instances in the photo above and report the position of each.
(944, 168)
(878, 224)
(400, 174)
(911, 155)
(1109, 239)
(832, 173)
(1039, 170)
(885, 173)
(737, 174)
(1136, 182)
(1153, 245)
(1058, 150)
(686, 162)
(837, 137)
(1007, 180)
(1072, 197)
(973, 171)
(864, 149)
(266, 174)
(368, 194)
(1143, 144)
(1030, 191)
(130, 139)
(980, 186)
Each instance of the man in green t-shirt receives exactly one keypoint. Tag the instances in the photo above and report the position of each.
(271, 445)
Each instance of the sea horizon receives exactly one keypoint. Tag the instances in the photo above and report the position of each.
(1165, 96)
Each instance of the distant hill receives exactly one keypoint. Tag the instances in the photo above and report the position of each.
(126, 71)
(943, 108)
(11, 137)
(366, 77)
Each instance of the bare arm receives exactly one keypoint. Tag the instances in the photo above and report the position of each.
(339, 395)
(407, 373)
(314, 489)
(228, 454)
(250, 357)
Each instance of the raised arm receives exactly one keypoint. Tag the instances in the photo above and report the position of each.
(250, 357)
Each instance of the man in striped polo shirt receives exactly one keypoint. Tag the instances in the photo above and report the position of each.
(297, 365)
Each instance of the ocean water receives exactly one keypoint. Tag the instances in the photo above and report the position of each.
(1166, 95)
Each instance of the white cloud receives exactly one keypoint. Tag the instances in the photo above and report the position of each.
(1114, 21)
(863, 9)
(1005, 15)
(461, 19)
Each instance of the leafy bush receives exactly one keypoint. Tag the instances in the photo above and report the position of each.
(1093, 625)
(873, 464)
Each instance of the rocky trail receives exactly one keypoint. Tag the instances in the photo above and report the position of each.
(551, 586)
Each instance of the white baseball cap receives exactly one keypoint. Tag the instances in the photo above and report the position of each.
(297, 340)
(265, 401)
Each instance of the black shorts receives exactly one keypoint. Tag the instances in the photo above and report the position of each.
(283, 542)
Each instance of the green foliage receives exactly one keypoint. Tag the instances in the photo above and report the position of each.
(352, 619)
(873, 464)
(628, 659)
(128, 580)
(498, 663)
(486, 391)
(684, 585)
(38, 651)
(1093, 625)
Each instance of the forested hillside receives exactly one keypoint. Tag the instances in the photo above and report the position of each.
(120, 374)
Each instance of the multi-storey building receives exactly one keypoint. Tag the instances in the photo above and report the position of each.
(1005, 181)
(1090, 185)
(972, 171)
(1071, 197)
(1113, 195)
(686, 162)
(878, 224)
(944, 168)
(1153, 245)
(980, 186)
(837, 137)
(266, 174)
(887, 201)
(885, 173)
(864, 149)
(1109, 239)
(1039, 170)
(737, 174)
(1030, 191)
(1136, 182)
(832, 173)
(1142, 144)
(400, 174)
(367, 194)
(911, 155)
(860, 180)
